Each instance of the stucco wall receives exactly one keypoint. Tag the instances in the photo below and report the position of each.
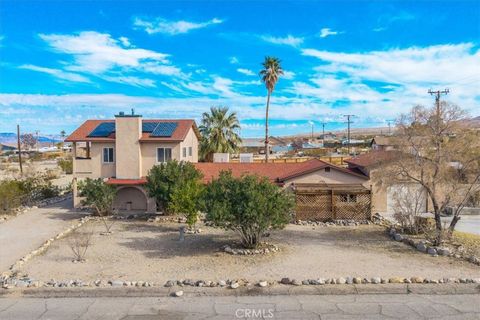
(100, 169)
(191, 140)
(149, 154)
(332, 177)
(128, 131)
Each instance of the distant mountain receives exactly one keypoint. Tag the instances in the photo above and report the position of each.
(10, 137)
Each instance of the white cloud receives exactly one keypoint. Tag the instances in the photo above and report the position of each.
(60, 74)
(289, 40)
(160, 25)
(233, 60)
(325, 32)
(125, 41)
(98, 52)
(131, 80)
(246, 72)
(288, 75)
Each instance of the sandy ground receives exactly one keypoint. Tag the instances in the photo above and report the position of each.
(31, 167)
(141, 251)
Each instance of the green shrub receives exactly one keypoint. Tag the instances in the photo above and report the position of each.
(37, 188)
(66, 165)
(98, 195)
(11, 195)
(166, 179)
(248, 205)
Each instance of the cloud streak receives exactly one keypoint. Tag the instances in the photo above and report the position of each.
(168, 27)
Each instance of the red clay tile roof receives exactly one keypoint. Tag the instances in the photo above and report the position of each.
(127, 181)
(82, 132)
(371, 158)
(276, 172)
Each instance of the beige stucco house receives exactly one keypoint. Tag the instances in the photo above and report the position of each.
(124, 149)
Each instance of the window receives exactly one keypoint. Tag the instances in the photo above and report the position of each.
(164, 154)
(348, 198)
(190, 153)
(184, 152)
(327, 169)
(107, 155)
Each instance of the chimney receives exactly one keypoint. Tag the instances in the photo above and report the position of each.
(128, 131)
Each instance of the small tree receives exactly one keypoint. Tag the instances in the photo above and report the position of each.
(408, 205)
(79, 243)
(28, 141)
(98, 195)
(168, 178)
(248, 205)
(186, 199)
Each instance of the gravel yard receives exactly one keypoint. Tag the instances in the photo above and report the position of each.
(145, 251)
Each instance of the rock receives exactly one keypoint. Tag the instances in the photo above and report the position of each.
(178, 293)
(474, 260)
(398, 237)
(21, 284)
(396, 280)
(407, 280)
(416, 280)
(263, 284)
(384, 280)
(305, 282)
(463, 280)
(116, 283)
(285, 281)
(476, 280)
(376, 280)
(432, 251)
(349, 280)
(222, 283)
(313, 282)
(341, 280)
(421, 247)
(357, 280)
(234, 285)
(321, 281)
(443, 251)
(169, 283)
(296, 282)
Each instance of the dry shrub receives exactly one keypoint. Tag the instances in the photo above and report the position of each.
(79, 241)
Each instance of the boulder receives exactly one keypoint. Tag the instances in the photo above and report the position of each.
(376, 280)
(416, 280)
(398, 237)
(421, 247)
(432, 251)
(285, 281)
(396, 280)
(117, 283)
(234, 285)
(169, 283)
(263, 284)
(341, 280)
(443, 251)
(296, 282)
(178, 293)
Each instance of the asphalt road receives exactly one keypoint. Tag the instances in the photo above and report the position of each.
(384, 306)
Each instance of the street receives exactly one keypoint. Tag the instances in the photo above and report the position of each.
(383, 306)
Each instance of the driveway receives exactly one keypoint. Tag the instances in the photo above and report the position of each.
(26, 232)
(396, 306)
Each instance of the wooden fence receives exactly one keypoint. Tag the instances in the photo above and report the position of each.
(325, 205)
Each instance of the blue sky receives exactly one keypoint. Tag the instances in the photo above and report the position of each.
(64, 62)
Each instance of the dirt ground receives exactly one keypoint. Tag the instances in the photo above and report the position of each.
(143, 251)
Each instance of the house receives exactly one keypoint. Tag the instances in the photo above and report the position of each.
(322, 190)
(124, 149)
(5, 148)
(382, 143)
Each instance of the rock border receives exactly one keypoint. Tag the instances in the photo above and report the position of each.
(233, 284)
(15, 268)
(426, 247)
(39, 204)
(267, 248)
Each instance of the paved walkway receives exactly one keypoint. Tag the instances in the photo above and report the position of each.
(247, 307)
(26, 232)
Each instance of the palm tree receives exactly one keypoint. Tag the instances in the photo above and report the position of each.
(219, 132)
(270, 73)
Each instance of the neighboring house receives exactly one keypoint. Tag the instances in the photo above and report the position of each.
(124, 149)
(4, 148)
(322, 190)
(382, 143)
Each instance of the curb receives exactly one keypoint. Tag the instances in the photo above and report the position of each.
(437, 289)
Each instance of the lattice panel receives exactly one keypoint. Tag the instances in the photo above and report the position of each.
(314, 206)
(352, 210)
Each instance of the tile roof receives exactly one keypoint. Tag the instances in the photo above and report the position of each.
(276, 172)
(126, 181)
(82, 132)
(371, 158)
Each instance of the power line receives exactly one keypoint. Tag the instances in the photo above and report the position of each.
(348, 132)
(437, 95)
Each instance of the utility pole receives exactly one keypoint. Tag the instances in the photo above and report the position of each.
(311, 123)
(348, 132)
(437, 95)
(19, 150)
(323, 130)
(389, 126)
(36, 141)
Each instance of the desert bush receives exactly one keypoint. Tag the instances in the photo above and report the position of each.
(408, 205)
(173, 177)
(11, 195)
(79, 241)
(38, 187)
(98, 195)
(66, 165)
(249, 205)
(186, 199)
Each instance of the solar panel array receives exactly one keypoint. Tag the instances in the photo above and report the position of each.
(164, 129)
(104, 129)
(156, 129)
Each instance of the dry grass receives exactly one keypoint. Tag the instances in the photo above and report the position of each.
(470, 241)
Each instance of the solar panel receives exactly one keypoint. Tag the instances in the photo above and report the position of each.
(104, 129)
(164, 129)
(148, 126)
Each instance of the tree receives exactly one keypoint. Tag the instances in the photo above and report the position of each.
(438, 152)
(187, 199)
(98, 195)
(270, 73)
(28, 140)
(170, 179)
(219, 132)
(248, 205)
